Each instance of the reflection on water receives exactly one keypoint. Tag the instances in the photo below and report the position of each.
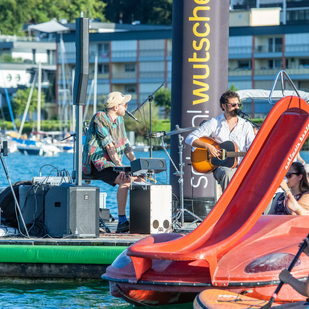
(75, 294)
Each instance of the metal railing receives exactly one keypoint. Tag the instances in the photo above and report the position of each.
(152, 53)
(124, 54)
(124, 75)
(151, 75)
(268, 48)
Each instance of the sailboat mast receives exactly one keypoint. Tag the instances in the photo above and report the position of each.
(39, 97)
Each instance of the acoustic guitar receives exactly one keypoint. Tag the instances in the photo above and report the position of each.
(203, 162)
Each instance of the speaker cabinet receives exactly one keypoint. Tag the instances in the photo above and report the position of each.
(150, 209)
(72, 210)
(31, 203)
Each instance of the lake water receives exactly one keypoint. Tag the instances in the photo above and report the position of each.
(22, 167)
(69, 294)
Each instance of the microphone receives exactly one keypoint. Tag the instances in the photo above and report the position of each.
(132, 116)
(241, 113)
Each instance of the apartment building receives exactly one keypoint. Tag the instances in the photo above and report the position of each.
(134, 59)
(258, 52)
(137, 59)
(20, 57)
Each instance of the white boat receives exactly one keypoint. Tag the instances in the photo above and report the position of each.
(140, 147)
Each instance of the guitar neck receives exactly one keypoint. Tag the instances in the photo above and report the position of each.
(235, 154)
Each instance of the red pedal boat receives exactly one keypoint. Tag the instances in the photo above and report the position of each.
(235, 248)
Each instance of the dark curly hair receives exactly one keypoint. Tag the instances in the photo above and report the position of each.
(300, 170)
(229, 94)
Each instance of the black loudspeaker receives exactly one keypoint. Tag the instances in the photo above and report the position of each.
(82, 61)
(150, 209)
(31, 203)
(72, 211)
(143, 165)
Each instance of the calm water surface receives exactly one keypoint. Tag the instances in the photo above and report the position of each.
(70, 294)
(22, 167)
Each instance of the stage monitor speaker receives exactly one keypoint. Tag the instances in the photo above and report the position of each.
(145, 165)
(31, 203)
(72, 210)
(150, 208)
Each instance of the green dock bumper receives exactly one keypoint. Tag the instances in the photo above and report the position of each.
(104, 255)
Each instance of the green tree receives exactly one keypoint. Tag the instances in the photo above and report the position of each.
(13, 14)
(46, 10)
(20, 101)
(147, 12)
(163, 98)
(233, 87)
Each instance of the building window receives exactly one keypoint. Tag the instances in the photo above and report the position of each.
(103, 50)
(130, 89)
(275, 45)
(129, 67)
(275, 64)
(244, 64)
(103, 68)
(304, 63)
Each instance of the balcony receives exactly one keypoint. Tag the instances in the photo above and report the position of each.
(297, 48)
(124, 54)
(268, 48)
(240, 50)
(299, 71)
(296, 4)
(266, 71)
(152, 53)
(100, 76)
(240, 72)
(151, 75)
(124, 75)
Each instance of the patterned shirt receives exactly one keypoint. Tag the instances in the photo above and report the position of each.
(281, 208)
(218, 129)
(103, 131)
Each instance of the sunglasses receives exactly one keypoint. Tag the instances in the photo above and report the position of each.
(289, 175)
(234, 104)
(125, 105)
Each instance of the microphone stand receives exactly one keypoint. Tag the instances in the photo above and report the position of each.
(149, 99)
(247, 118)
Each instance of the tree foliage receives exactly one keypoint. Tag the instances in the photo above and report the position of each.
(163, 98)
(156, 12)
(20, 101)
(15, 13)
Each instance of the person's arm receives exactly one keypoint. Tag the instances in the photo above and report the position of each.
(129, 153)
(300, 207)
(212, 149)
(111, 150)
(300, 159)
(299, 286)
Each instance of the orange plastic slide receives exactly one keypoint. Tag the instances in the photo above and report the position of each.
(259, 175)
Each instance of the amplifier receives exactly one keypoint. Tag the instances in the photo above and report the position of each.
(72, 211)
(150, 208)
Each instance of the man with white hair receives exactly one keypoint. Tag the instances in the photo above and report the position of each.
(106, 142)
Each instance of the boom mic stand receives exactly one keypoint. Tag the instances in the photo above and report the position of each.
(246, 117)
(4, 150)
(149, 99)
(179, 172)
